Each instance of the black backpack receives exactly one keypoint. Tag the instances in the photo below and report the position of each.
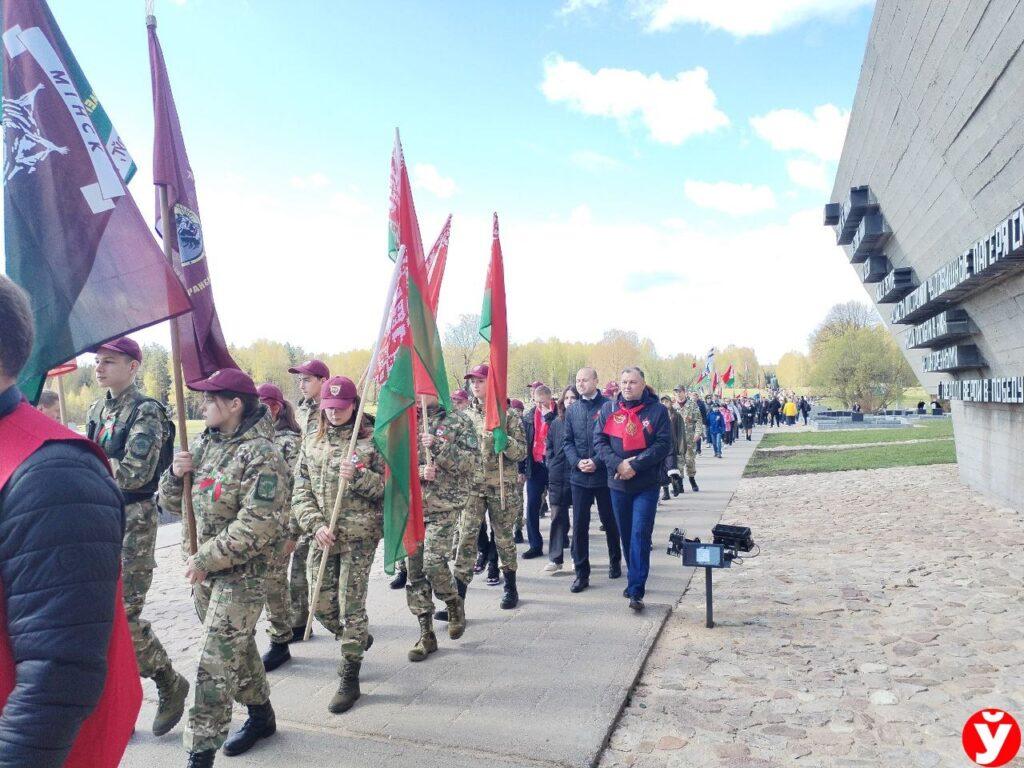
(117, 449)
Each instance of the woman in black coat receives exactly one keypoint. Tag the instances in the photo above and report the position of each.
(559, 493)
(748, 413)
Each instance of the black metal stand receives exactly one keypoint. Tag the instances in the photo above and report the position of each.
(710, 622)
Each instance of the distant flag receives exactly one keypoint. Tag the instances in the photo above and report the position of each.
(395, 428)
(714, 381)
(494, 330)
(693, 364)
(437, 259)
(74, 239)
(203, 348)
(729, 376)
(63, 370)
(404, 230)
(709, 366)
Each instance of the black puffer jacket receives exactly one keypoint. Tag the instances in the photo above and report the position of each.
(61, 524)
(579, 441)
(648, 462)
(558, 466)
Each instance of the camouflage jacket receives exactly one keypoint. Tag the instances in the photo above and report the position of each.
(239, 493)
(693, 424)
(308, 416)
(317, 482)
(515, 450)
(134, 452)
(456, 455)
(288, 443)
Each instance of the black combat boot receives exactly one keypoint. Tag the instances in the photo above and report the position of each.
(511, 597)
(664, 493)
(299, 634)
(693, 483)
(518, 536)
(202, 759)
(677, 484)
(348, 689)
(276, 656)
(172, 689)
(260, 724)
(442, 615)
(401, 579)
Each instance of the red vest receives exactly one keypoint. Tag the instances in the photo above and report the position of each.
(102, 739)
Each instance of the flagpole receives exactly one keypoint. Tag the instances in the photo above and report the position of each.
(60, 401)
(343, 486)
(179, 387)
(426, 429)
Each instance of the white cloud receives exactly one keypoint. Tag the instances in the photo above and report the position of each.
(808, 173)
(589, 160)
(315, 180)
(727, 197)
(673, 109)
(820, 134)
(427, 176)
(743, 17)
(573, 6)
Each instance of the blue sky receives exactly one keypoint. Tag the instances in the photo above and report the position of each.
(669, 155)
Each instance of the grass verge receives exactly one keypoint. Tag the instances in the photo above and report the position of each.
(929, 430)
(766, 464)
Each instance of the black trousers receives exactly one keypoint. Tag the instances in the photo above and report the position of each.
(559, 500)
(536, 484)
(582, 500)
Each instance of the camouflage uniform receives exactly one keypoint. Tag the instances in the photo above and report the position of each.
(308, 416)
(693, 428)
(239, 488)
(456, 454)
(359, 530)
(485, 496)
(135, 475)
(280, 613)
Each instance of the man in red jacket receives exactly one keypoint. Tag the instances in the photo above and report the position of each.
(69, 687)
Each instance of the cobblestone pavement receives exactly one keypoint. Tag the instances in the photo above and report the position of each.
(885, 608)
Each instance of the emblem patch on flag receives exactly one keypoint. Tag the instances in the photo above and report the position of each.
(25, 143)
(190, 235)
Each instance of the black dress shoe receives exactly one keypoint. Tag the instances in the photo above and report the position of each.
(579, 584)
(481, 562)
(693, 484)
(493, 575)
(532, 553)
(615, 570)
(636, 605)
(625, 593)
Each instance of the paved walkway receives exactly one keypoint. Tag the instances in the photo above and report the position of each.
(538, 686)
(886, 608)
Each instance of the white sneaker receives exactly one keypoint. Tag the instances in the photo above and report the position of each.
(552, 567)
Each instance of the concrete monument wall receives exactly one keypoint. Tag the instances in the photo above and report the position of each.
(937, 138)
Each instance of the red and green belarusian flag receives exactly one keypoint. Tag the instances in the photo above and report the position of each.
(437, 259)
(395, 429)
(729, 376)
(494, 330)
(404, 229)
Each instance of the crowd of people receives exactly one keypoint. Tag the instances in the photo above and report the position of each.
(264, 479)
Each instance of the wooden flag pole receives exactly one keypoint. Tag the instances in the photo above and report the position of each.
(426, 429)
(501, 480)
(60, 401)
(179, 386)
(343, 486)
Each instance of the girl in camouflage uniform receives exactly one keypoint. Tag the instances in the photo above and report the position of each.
(350, 547)
(282, 616)
(239, 487)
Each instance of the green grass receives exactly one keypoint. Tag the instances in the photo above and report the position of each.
(928, 430)
(765, 464)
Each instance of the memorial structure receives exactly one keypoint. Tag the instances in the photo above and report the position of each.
(927, 205)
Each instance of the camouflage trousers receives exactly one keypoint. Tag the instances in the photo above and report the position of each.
(502, 522)
(429, 572)
(688, 451)
(230, 667)
(287, 592)
(137, 564)
(341, 606)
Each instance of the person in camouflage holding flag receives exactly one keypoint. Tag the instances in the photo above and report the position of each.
(351, 546)
(450, 457)
(131, 429)
(693, 430)
(239, 494)
(485, 494)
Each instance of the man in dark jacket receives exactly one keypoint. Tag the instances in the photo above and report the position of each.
(632, 437)
(588, 481)
(61, 525)
(534, 467)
